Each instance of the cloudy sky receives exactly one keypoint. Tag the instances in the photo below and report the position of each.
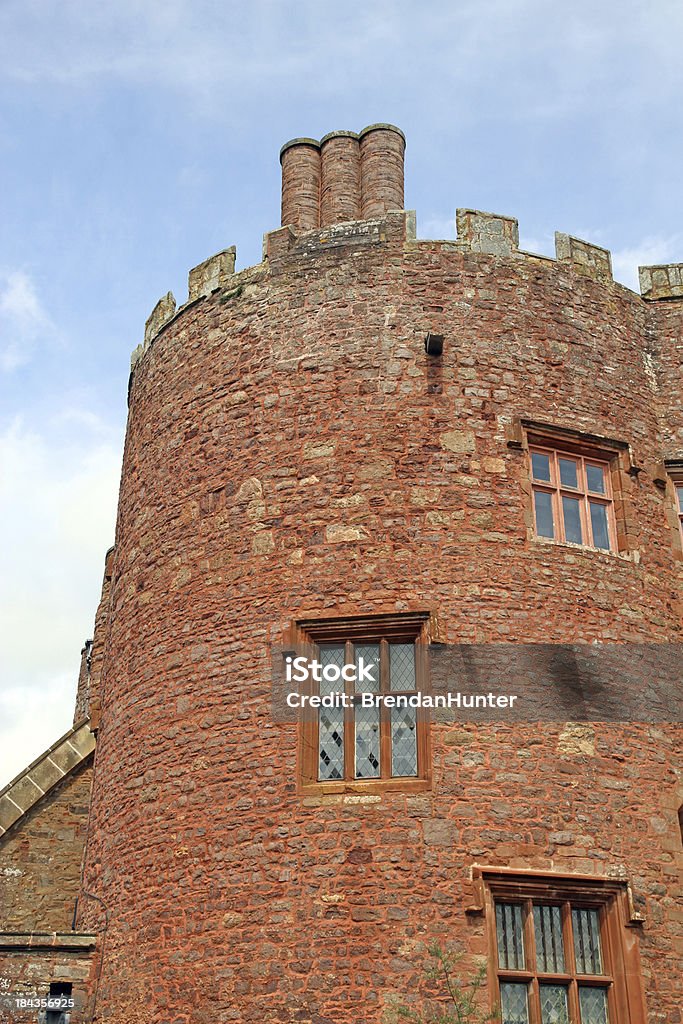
(137, 138)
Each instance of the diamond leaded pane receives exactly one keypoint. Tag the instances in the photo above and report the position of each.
(554, 1004)
(367, 743)
(593, 1003)
(586, 924)
(548, 934)
(510, 935)
(332, 655)
(331, 744)
(370, 663)
(402, 666)
(403, 742)
(514, 1004)
(331, 720)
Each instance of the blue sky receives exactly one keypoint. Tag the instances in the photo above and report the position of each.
(140, 137)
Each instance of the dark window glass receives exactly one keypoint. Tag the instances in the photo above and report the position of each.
(569, 476)
(571, 508)
(595, 478)
(540, 465)
(544, 514)
(587, 941)
(599, 526)
(548, 932)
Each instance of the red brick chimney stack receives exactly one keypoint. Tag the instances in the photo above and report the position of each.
(301, 171)
(344, 177)
(381, 161)
(340, 188)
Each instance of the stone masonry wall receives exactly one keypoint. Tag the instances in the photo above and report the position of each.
(292, 452)
(41, 856)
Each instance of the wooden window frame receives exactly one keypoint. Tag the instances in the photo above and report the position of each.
(584, 457)
(412, 627)
(676, 477)
(621, 962)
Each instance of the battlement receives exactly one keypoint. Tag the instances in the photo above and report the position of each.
(347, 190)
(661, 282)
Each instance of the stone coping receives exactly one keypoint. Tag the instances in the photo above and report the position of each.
(58, 761)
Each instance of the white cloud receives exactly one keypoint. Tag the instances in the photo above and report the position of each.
(552, 58)
(23, 321)
(57, 512)
(32, 719)
(651, 251)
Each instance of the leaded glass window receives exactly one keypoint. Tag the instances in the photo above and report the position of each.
(510, 934)
(403, 742)
(375, 733)
(551, 967)
(514, 1003)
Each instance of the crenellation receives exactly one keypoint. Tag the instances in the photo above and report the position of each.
(488, 233)
(664, 281)
(212, 274)
(160, 315)
(277, 243)
(586, 258)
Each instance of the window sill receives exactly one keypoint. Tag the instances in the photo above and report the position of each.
(365, 787)
(625, 556)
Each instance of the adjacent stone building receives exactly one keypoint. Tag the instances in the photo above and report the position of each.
(458, 461)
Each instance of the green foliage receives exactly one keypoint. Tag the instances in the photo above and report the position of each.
(455, 1002)
(234, 293)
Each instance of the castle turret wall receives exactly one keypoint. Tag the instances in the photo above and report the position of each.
(293, 453)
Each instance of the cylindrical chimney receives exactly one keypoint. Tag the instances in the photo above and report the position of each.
(340, 189)
(381, 166)
(300, 161)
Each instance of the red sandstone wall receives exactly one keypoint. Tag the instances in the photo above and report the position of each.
(292, 451)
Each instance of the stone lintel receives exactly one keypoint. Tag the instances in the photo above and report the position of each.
(54, 941)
